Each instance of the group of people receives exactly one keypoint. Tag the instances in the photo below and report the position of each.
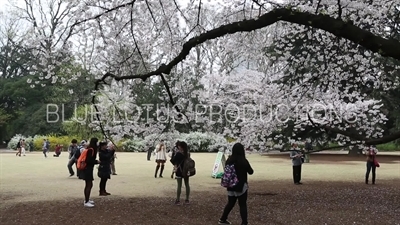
(21, 148)
(106, 164)
(178, 154)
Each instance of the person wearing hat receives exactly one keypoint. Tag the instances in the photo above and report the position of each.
(104, 171)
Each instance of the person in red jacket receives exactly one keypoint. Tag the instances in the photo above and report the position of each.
(58, 150)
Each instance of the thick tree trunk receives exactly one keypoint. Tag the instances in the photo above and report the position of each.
(355, 151)
(307, 158)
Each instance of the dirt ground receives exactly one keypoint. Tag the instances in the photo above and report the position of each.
(273, 199)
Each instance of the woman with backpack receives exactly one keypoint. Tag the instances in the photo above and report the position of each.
(104, 172)
(239, 191)
(85, 163)
(179, 160)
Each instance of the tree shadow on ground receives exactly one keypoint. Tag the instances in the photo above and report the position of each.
(312, 203)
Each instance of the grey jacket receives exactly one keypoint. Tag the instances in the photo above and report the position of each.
(296, 161)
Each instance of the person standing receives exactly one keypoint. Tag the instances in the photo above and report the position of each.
(239, 191)
(172, 155)
(87, 173)
(23, 147)
(83, 145)
(161, 158)
(31, 146)
(149, 152)
(179, 161)
(104, 171)
(372, 163)
(111, 149)
(297, 160)
(72, 149)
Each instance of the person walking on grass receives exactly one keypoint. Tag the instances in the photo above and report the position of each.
(72, 149)
(372, 163)
(44, 148)
(179, 161)
(87, 173)
(18, 148)
(239, 191)
(23, 147)
(104, 171)
(161, 158)
(297, 160)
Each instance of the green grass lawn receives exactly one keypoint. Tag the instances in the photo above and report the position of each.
(34, 177)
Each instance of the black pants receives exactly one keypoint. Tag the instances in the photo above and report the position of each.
(71, 162)
(242, 205)
(103, 182)
(297, 174)
(148, 155)
(370, 166)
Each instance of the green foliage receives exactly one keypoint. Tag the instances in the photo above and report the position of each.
(388, 147)
(54, 140)
(77, 125)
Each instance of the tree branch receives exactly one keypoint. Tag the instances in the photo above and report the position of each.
(335, 26)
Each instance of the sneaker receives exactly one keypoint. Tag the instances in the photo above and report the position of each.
(88, 205)
(177, 202)
(187, 202)
(90, 201)
(224, 222)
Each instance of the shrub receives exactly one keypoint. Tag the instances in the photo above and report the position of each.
(133, 145)
(152, 140)
(205, 142)
(54, 140)
(12, 144)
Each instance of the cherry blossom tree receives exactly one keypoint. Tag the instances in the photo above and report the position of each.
(295, 53)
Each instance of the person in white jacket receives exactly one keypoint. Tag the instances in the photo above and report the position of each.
(161, 158)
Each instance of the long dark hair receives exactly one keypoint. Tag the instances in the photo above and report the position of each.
(184, 147)
(93, 143)
(238, 153)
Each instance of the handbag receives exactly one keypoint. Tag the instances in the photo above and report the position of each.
(376, 163)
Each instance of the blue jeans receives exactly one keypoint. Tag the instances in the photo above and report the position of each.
(370, 166)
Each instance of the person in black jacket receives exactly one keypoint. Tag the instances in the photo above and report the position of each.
(238, 192)
(173, 153)
(104, 172)
(87, 173)
(179, 161)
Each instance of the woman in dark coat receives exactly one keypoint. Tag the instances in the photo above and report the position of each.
(104, 172)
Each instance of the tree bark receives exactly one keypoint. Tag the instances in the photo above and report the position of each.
(355, 151)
